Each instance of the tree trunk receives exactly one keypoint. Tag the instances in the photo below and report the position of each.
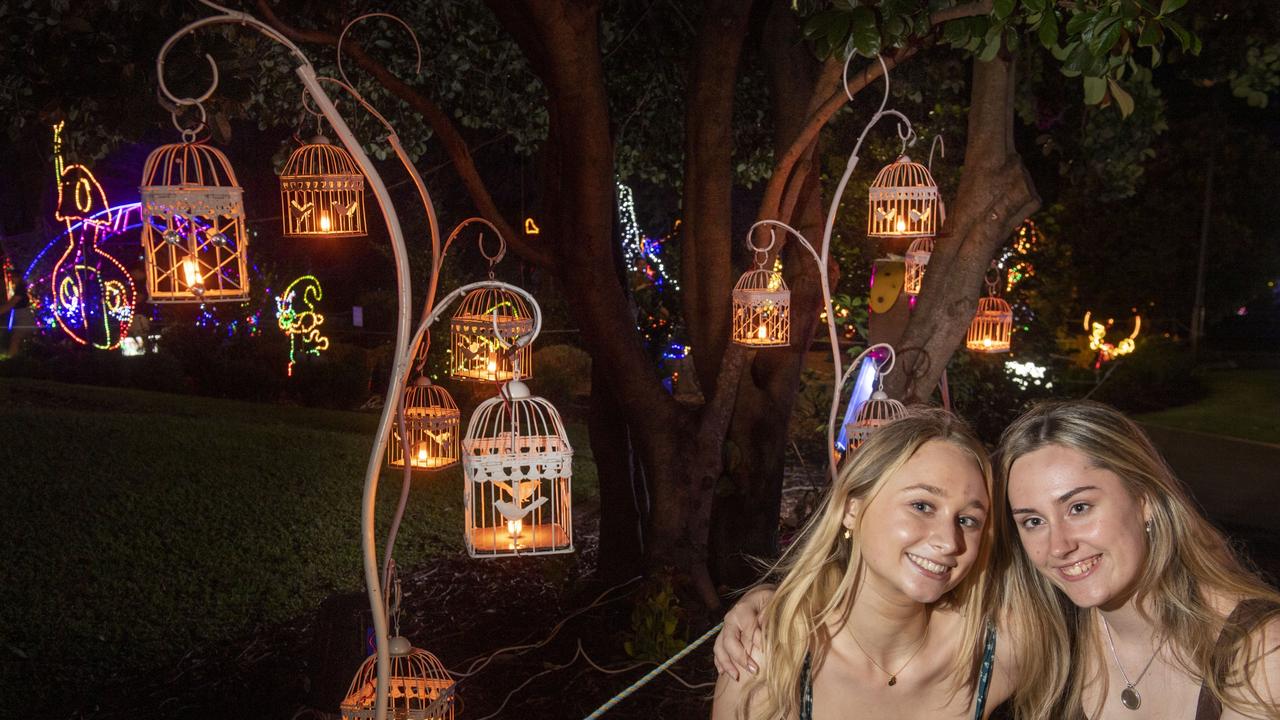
(747, 503)
(996, 194)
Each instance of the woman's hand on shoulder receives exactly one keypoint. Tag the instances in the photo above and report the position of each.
(739, 638)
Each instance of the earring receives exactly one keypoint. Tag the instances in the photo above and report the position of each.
(1149, 526)
(849, 536)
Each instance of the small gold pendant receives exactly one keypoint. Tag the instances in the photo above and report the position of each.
(893, 680)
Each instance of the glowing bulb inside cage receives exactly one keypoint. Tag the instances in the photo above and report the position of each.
(986, 342)
(901, 225)
(325, 223)
(422, 455)
(492, 366)
(514, 528)
(762, 332)
(191, 270)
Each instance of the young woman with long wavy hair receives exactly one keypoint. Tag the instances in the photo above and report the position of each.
(879, 602)
(1122, 599)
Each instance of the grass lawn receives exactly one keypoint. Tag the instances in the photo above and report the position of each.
(138, 525)
(1241, 403)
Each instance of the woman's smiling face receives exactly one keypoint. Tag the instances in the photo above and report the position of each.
(922, 532)
(1079, 524)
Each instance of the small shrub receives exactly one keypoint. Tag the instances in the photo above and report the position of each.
(655, 621)
(1159, 374)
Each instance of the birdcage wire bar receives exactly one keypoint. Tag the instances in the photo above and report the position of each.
(322, 192)
(518, 468)
(992, 327)
(419, 689)
(193, 232)
(483, 334)
(433, 425)
(917, 260)
(761, 309)
(904, 201)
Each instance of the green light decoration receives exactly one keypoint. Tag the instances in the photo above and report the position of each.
(302, 326)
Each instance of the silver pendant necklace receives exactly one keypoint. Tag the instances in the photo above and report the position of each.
(1129, 696)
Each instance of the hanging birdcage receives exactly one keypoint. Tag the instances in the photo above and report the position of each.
(432, 423)
(518, 466)
(419, 687)
(193, 232)
(875, 412)
(484, 331)
(761, 309)
(322, 192)
(904, 201)
(917, 259)
(992, 326)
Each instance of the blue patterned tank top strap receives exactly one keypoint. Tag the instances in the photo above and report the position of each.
(984, 673)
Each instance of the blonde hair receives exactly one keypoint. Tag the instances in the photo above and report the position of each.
(820, 571)
(1188, 563)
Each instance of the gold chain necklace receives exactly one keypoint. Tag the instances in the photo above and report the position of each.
(893, 676)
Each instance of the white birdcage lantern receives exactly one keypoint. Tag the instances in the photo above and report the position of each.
(761, 309)
(193, 231)
(917, 259)
(433, 425)
(518, 465)
(419, 687)
(322, 192)
(992, 326)
(484, 331)
(877, 411)
(904, 201)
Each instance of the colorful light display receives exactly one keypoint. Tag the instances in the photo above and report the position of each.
(301, 325)
(92, 294)
(1098, 339)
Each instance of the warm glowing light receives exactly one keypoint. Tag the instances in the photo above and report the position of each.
(422, 454)
(492, 366)
(514, 528)
(1098, 339)
(325, 223)
(191, 270)
(762, 332)
(531, 227)
(901, 225)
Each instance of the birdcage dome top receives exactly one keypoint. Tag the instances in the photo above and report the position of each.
(903, 174)
(920, 250)
(762, 280)
(193, 164)
(994, 306)
(418, 679)
(320, 158)
(428, 400)
(486, 302)
(516, 411)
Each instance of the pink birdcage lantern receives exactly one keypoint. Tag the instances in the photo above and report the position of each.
(991, 329)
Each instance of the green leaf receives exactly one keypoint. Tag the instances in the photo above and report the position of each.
(1180, 32)
(1078, 60)
(1049, 30)
(1151, 36)
(866, 36)
(990, 46)
(1002, 9)
(1169, 6)
(955, 33)
(1078, 22)
(1036, 6)
(1094, 90)
(1123, 99)
(1105, 35)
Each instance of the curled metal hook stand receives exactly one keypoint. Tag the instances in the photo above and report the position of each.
(416, 45)
(937, 144)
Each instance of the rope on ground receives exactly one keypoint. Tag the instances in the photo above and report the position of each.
(479, 663)
(651, 674)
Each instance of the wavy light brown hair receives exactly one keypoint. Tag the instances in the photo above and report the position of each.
(1188, 564)
(820, 572)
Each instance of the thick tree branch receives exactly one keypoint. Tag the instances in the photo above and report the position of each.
(451, 140)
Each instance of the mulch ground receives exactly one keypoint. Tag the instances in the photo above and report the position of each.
(460, 609)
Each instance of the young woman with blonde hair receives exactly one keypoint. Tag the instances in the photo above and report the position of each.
(879, 605)
(1139, 605)
(1129, 603)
